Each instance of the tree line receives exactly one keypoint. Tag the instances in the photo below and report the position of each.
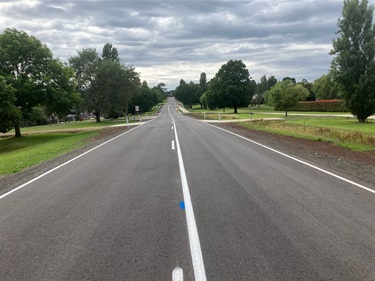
(35, 86)
(351, 77)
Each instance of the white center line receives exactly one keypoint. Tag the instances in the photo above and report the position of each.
(195, 246)
(173, 145)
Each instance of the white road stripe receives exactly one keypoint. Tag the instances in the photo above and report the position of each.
(177, 274)
(173, 145)
(195, 246)
(298, 160)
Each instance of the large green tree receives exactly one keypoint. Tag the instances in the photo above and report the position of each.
(232, 86)
(353, 65)
(105, 83)
(39, 79)
(285, 94)
(9, 114)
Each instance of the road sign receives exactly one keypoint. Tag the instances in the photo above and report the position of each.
(137, 108)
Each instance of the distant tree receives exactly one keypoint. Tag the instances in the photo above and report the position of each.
(187, 93)
(145, 98)
(232, 86)
(203, 100)
(39, 79)
(161, 92)
(202, 88)
(308, 86)
(353, 65)
(9, 114)
(110, 52)
(263, 86)
(293, 80)
(285, 95)
(325, 88)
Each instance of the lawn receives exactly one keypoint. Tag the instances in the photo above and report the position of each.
(17, 154)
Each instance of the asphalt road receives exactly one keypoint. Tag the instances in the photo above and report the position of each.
(121, 212)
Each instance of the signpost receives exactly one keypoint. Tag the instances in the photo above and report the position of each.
(137, 110)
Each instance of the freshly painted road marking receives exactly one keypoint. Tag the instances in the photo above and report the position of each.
(69, 161)
(298, 160)
(195, 246)
(177, 274)
(173, 145)
(182, 205)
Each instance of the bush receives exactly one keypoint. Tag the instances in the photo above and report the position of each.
(321, 105)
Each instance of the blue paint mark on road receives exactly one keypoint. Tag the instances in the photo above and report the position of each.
(182, 205)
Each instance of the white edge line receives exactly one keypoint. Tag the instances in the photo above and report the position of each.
(298, 160)
(69, 161)
(195, 247)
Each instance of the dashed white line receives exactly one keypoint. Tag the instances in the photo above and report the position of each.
(195, 246)
(173, 145)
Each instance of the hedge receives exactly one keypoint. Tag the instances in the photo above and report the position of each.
(321, 105)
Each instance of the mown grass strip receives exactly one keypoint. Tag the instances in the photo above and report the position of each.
(17, 154)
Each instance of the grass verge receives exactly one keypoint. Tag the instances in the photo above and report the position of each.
(345, 132)
(17, 154)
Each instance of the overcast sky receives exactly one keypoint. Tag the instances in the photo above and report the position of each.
(171, 40)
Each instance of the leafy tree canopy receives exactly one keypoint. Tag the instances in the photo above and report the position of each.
(231, 87)
(286, 94)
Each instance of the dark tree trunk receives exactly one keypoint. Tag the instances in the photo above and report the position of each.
(97, 115)
(235, 110)
(17, 129)
(361, 119)
(286, 113)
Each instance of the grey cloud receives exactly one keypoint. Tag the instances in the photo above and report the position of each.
(272, 37)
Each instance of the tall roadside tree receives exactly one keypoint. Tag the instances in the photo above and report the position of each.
(232, 86)
(353, 65)
(28, 65)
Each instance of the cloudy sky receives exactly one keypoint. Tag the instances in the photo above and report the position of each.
(171, 40)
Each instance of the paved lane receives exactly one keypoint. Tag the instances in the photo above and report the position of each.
(262, 216)
(112, 214)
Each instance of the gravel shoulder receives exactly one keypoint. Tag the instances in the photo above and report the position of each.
(356, 166)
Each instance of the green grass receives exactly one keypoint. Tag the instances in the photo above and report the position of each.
(339, 128)
(345, 132)
(17, 154)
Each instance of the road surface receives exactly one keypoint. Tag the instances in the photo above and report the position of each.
(176, 192)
